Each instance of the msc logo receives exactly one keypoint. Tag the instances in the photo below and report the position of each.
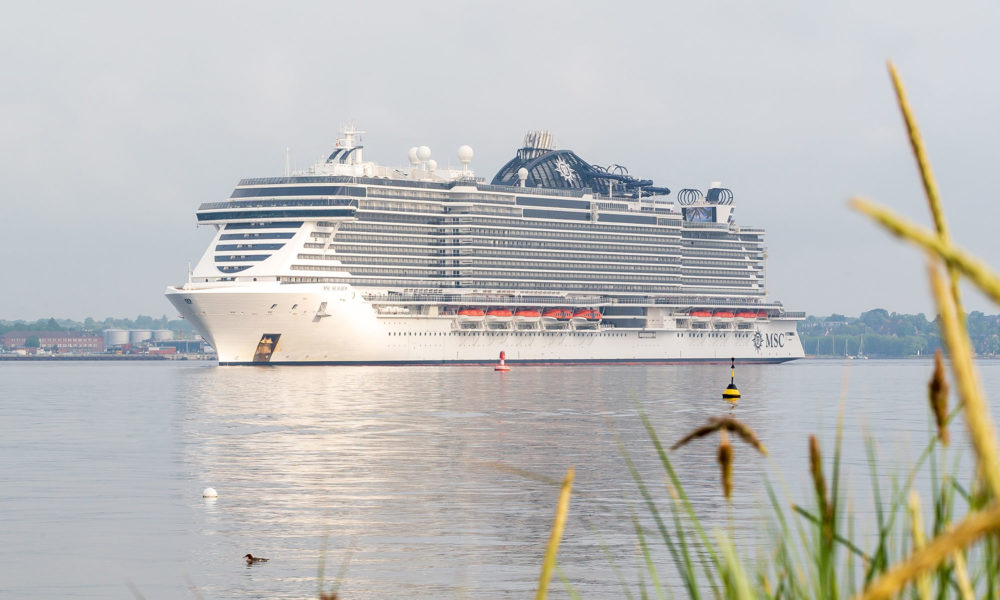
(771, 340)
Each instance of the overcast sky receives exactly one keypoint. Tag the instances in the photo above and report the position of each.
(118, 120)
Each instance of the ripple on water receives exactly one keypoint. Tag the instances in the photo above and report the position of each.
(434, 481)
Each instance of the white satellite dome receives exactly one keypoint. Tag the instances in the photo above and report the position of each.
(432, 165)
(423, 153)
(412, 155)
(465, 154)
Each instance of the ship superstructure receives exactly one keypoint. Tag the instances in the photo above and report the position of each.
(555, 260)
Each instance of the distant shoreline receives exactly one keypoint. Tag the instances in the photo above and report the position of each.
(109, 357)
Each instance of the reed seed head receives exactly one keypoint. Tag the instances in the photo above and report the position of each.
(938, 392)
(725, 455)
(724, 424)
(819, 482)
(816, 469)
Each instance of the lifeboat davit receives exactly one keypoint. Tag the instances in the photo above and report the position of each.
(498, 318)
(722, 314)
(586, 318)
(556, 318)
(470, 318)
(527, 318)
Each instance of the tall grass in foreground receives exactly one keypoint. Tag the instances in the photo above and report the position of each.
(814, 553)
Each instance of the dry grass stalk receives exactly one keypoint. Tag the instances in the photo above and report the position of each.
(917, 143)
(926, 176)
(552, 549)
(961, 536)
(977, 415)
(725, 455)
(938, 393)
(723, 423)
(976, 270)
(919, 542)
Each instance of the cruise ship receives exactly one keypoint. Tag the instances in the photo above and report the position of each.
(555, 260)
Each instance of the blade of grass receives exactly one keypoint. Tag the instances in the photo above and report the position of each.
(570, 590)
(648, 558)
(683, 570)
(970, 529)
(611, 560)
(682, 496)
(836, 536)
(923, 583)
(737, 581)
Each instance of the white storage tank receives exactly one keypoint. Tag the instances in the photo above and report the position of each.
(137, 336)
(115, 337)
(161, 335)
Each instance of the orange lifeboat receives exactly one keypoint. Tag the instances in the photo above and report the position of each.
(558, 313)
(588, 313)
(761, 314)
(746, 315)
(527, 318)
(471, 312)
(499, 312)
(723, 314)
(700, 313)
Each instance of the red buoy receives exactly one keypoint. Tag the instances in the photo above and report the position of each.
(502, 366)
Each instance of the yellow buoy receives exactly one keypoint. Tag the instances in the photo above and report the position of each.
(731, 392)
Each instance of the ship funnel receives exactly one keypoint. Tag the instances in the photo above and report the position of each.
(539, 140)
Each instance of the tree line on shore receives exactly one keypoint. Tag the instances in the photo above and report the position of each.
(95, 326)
(879, 333)
(876, 333)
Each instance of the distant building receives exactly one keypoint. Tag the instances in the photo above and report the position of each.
(184, 346)
(63, 341)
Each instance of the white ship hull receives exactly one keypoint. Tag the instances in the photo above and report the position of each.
(334, 324)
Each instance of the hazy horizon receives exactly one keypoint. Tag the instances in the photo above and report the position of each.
(120, 119)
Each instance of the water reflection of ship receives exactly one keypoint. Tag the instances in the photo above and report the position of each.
(399, 459)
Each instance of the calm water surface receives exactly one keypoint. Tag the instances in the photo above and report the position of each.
(429, 481)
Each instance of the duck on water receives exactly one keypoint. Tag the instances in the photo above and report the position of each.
(251, 559)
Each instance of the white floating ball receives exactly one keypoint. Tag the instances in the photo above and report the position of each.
(210, 493)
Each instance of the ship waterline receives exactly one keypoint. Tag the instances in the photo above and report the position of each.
(333, 325)
(555, 261)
